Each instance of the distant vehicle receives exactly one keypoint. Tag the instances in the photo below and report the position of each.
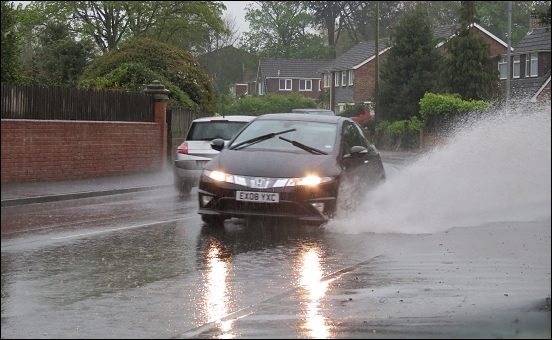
(289, 166)
(196, 150)
(323, 112)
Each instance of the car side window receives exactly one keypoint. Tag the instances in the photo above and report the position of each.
(351, 137)
(363, 141)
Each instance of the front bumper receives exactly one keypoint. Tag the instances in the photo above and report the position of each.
(297, 203)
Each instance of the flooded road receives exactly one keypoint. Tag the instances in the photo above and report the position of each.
(454, 245)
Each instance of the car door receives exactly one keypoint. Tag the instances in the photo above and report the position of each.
(358, 167)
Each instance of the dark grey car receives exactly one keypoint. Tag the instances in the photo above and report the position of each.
(288, 165)
(323, 112)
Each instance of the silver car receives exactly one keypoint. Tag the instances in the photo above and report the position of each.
(196, 149)
(323, 112)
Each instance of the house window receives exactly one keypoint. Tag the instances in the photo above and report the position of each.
(351, 77)
(503, 68)
(327, 79)
(260, 89)
(531, 65)
(285, 84)
(336, 80)
(319, 83)
(343, 78)
(516, 66)
(305, 85)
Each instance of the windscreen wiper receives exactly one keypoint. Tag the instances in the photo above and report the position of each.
(259, 139)
(304, 147)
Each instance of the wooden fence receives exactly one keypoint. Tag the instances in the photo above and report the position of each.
(56, 103)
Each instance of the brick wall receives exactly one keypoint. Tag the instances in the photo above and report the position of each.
(365, 80)
(52, 150)
(495, 47)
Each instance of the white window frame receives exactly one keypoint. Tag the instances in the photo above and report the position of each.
(327, 79)
(351, 77)
(319, 84)
(516, 67)
(336, 79)
(305, 84)
(532, 65)
(503, 68)
(343, 78)
(286, 83)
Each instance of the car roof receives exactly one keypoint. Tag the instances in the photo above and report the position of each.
(230, 118)
(303, 117)
(312, 110)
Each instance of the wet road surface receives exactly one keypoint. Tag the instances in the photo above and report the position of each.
(143, 265)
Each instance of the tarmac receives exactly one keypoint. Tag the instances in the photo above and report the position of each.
(14, 194)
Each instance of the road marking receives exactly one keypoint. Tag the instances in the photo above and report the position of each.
(123, 228)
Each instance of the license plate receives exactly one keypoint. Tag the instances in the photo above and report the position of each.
(264, 197)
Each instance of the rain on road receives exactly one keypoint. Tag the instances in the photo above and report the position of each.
(143, 265)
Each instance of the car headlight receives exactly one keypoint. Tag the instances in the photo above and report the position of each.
(218, 176)
(310, 180)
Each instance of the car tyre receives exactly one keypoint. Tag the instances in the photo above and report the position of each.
(184, 187)
(216, 221)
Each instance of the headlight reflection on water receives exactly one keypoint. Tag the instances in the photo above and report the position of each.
(215, 293)
(311, 276)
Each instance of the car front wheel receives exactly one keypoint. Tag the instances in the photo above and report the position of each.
(216, 221)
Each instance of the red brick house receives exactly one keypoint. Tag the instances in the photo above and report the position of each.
(285, 76)
(530, 65)
(350, 79)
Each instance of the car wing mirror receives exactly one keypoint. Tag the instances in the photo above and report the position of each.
(217, 144)
(356, 151)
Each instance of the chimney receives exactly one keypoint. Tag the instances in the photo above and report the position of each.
(392, 30)
(533, 23)
(245, 75)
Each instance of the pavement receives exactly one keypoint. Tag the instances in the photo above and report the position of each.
(14, 194)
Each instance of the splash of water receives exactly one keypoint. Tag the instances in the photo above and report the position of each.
(492, 169)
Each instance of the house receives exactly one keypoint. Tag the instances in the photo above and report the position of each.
(285, 76)
(351, 78)
(243, 88)
(227, 66)
(530, 61)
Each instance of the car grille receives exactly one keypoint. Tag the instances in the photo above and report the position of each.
(293, 203)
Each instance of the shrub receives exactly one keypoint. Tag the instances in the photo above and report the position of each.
(140, 61)
(270, 103)
(440, 110)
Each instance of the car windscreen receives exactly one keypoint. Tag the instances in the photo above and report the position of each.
(206, 131)
(318, 135)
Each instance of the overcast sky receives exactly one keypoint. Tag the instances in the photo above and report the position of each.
(237, 10)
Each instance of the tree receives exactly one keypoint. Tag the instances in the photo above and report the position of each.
(493, 15)
(59, 59)
(543, 15)
(283, 29)
(468, 68)
(410, 69)
(228, 37)
(11, 68)
(227, 65)
(327, 14)
(138, 62)
(186, 24)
